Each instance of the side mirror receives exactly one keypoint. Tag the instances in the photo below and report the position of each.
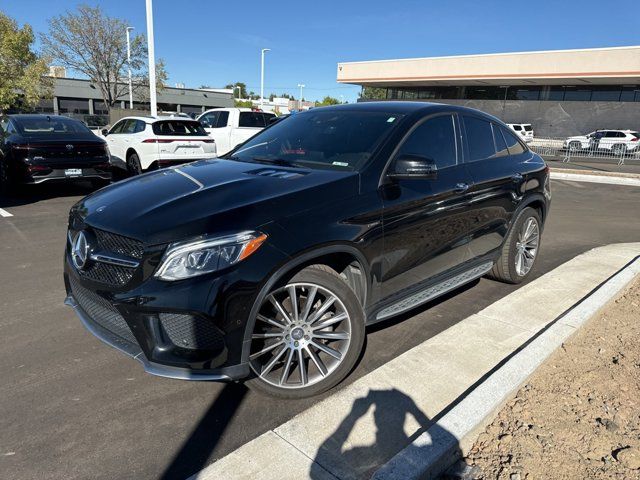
(413, 166)
(104, 132)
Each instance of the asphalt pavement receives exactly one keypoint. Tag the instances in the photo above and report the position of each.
(71, 407)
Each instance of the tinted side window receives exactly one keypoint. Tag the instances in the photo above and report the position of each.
(251, 119)
(479, 138)
(117, 128)
(223, 119)
(129, 126)
(140, 126)
(210, 119)
(434, 139)
(517, 128)
(514, 146)
(501, 146)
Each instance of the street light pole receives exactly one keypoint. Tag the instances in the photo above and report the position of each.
(239, 88)
(301, 85)
(152, 61)
(262, 75)
(129, 64)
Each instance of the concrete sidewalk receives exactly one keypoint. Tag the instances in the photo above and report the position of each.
(354, 432)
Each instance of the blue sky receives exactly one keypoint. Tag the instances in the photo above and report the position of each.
(219, 42)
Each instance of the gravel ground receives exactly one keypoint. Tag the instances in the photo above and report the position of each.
(578, 417)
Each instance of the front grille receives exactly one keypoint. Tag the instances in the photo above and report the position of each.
(117, 243)
(105, 273)
(101, 311)
(108, 274)
(191, 332)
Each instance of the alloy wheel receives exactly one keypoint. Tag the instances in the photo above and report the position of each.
(527, 246)
(302, 334)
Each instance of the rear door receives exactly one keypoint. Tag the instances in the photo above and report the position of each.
(493, 155)
(218, 127)
(425, 220)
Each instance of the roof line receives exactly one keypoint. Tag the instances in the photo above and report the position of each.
(494, 54)
(496, 76)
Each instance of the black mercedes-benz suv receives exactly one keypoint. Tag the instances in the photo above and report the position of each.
(267, 264)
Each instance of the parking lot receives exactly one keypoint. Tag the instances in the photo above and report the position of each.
(74, 408)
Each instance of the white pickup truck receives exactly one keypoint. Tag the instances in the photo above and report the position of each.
(232, 126)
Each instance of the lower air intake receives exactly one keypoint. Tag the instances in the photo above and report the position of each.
(188, 331)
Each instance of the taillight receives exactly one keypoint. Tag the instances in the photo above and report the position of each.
(213, 141)
(157, 140)
(21, 147)
(634, 139)
(38, 168)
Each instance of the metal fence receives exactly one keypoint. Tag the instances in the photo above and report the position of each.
(575, 149)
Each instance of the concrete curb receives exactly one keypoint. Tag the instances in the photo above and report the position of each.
(594, 178)
(595, 172)
(431, 453)
(448, 385)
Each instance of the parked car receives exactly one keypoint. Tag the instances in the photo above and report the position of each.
(268, 263)
(618, 142)
(524, 131)
(43, 148)
(232, 126)
(143, 143)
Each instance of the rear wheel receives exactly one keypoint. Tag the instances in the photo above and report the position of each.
(308, 335)
(133, 164)
(6, 186)
(520, 249)
(619, 149)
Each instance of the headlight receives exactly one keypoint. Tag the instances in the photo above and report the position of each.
(207, 254)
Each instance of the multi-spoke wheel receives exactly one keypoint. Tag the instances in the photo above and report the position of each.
(520, 249)
(527, 246)
(307, 335)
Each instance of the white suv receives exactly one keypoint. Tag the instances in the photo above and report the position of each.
(618, 142)
(143, 143)
(524, 130)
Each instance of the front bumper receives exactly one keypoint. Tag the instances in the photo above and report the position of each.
(134, 351)
(191, 329)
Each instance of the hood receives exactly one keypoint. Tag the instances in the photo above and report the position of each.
(210, 197)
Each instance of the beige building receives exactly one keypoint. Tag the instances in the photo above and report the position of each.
(560, 91)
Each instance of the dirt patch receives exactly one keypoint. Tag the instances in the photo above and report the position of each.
(578, 416)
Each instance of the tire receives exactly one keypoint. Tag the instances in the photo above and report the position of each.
(619, 150)
(278, 357)
(506, 268)
(133, 164)
(6, 186)
(575, 146)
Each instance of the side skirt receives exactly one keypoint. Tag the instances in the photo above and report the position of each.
(433, 291)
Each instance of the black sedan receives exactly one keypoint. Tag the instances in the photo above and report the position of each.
(41, 148)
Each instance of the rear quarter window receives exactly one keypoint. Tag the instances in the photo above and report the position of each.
(513, 144)
(179, 128)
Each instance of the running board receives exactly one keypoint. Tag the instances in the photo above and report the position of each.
(434, 291)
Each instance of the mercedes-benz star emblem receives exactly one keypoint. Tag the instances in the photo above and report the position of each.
(80, 251)
(69, 147)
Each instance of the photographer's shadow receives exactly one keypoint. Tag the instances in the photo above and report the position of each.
(391, 411)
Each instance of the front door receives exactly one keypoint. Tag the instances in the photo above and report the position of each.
(425, 220)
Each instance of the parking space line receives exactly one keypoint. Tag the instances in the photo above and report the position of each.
(4, 213)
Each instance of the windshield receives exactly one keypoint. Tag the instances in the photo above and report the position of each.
(49, 126)
(339, 139)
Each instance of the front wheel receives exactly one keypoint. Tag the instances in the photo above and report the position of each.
(520, 249)
(308, 335)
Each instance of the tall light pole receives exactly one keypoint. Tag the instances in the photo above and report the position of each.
(129, 64)
(261, 74)
(301, 85)
(152, 60)
(239, 88)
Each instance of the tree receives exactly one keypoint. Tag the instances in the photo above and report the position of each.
(374, 93)
(22, 81)
(94, 44)
(328, 101)
(243, 88)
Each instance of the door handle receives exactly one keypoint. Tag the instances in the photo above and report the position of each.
(461, 187)
(516, 178)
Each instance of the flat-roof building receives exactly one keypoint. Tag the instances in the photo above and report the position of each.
(82, 99)
(560, 92)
